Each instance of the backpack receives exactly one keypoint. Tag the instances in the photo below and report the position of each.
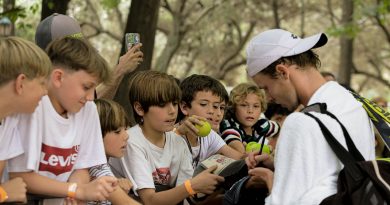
(359, 182)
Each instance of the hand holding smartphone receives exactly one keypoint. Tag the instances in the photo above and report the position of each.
(131, 39)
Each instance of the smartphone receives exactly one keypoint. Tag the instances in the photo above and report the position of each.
(131, 39)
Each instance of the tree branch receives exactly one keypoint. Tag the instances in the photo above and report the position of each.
(330, 10)
(101, 30)
(239, 46)
(89, 4)
(167, 6)
(376, 77)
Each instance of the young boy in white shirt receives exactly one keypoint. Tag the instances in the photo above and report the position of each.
(62, 138)
(24, 68)
(202, 97)
(156, 156)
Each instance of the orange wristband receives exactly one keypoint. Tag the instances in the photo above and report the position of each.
(187, 185)
(3, 195)
(72, 190)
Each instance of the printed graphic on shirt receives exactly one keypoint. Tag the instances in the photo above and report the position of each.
(162, 176)
(57, 160)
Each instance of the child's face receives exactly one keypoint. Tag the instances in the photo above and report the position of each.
(222, 107)
(206, 105)
(161, 118)
(33, 91)
(72, 90)
(248, 110)
(115, 142)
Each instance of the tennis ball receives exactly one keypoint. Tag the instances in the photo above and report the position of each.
(204, 129)
(254, 146)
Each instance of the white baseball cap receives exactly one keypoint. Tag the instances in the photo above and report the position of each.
(271, 45)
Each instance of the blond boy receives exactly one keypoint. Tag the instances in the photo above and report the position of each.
(62, 138)
(23, 71)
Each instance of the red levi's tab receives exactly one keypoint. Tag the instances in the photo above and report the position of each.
(57, 160)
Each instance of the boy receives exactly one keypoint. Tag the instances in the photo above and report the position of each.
(242, 123)
(202, 96)
(23, 71)
(157, 158)
(62, 138)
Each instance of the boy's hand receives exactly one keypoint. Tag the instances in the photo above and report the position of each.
(206, 182)
(130, 60)
(125, 184)
(261, 176)
(97, 190)
(187, 127)
(253, 159)
(16, 190)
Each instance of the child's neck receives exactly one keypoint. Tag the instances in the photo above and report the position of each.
(248, 130)
(155, 137)
(57, 106)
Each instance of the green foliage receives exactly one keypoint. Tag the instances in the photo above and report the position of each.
(350, 30)
(50, 4)
(110, 4)
(34, 8)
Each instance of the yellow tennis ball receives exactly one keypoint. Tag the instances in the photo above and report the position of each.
(204, 129)
(254, 146)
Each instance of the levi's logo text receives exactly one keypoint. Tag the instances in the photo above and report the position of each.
(57, 160)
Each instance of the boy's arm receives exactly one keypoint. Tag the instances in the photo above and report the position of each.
(127, 63)
(37, 184)
(232, 136)
(237, 145)
(120, 197)
(80, 176)
(230, 152)
(205, 182)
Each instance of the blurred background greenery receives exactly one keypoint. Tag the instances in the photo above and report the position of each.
(210, 36)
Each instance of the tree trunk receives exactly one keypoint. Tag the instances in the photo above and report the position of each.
(53, 6)
(346, 44)
(142, 19)
(173, 44)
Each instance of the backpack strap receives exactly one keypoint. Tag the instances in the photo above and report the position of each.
(344, 156)
(321, 108)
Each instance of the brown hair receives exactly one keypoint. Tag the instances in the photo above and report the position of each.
(152, 88)
(306, 58)
(19, 56)
(77, 54)
(111, 114)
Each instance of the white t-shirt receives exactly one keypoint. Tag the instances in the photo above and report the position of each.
(10, 144)
(210, 145)
(148, 164)
(306, 168)
(55, 146)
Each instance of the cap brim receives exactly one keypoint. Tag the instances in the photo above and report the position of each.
(308, 43)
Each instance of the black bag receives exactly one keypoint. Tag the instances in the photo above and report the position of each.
(359, 182)
(239, 195)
